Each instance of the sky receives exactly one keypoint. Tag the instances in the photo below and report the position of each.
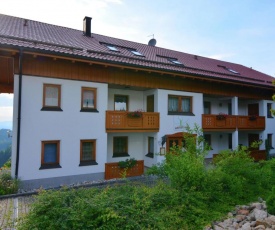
(237, 31)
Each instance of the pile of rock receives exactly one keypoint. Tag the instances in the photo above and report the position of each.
(247, 217)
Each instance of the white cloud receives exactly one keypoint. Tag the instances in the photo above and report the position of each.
(6, 113)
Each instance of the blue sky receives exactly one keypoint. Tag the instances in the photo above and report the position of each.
(237, 31)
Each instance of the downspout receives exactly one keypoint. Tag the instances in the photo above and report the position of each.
(19, 113)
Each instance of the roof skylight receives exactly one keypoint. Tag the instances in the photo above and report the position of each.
(228, 69)
(232, 71)
(175, 61)
(112, 48)
(136, 53)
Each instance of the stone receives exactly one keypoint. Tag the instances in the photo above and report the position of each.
(244, 217)
(246, 226)
(259, 214)
(216, 227)
(271, 220)
(239, 218)
(243, 212)
(263, 222)
(260, 227)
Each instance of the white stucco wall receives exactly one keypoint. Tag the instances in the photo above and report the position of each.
(170, 124)
(135, 98)
(270, 124)
(68, 126)
(71, 125)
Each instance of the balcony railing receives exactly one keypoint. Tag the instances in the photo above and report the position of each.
(112, 170)
(232, 122)
(118, 121)
(258, 155)
(248, 122)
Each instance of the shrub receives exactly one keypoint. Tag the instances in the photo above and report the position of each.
(128, 163)
(196, 196)
(7, 165)
(119, 207)
(270, 201)
(8, 185)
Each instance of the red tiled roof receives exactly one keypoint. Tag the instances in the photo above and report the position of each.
(65, 41)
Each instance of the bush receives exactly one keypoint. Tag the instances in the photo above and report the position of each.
(8, 185)
(196, 196)
(119, 207)
(271, 202)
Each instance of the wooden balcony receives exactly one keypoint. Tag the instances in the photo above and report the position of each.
(112, 170)
(232, 122)
(118, 121)
(258, 155)
(245, 123)
(210, 122)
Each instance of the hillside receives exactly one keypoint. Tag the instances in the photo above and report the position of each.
(5, 141)
(5, 146)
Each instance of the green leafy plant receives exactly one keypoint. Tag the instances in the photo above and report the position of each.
(193, 197)
(270, 201)
(128, 163)
(8, 185)
(256, 144)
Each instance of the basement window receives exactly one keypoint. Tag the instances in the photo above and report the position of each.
(112, 48)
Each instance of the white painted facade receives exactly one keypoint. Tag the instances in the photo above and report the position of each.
(70, 126)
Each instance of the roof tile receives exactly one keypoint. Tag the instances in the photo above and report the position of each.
(47, 37)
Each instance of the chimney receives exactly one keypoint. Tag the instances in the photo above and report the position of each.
(87, 26)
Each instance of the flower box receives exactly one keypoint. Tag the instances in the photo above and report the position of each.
(221, 116)
(135, 114)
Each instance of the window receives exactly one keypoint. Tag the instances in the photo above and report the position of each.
(229, 108)
(207, 138)
(229, 69)
(50, 154)
(88, 100)
(207, 107)
(150, 147)
(121, 102)
(269, 141)
(51, 97)
(175, 61)
(136, 53)
(112, 48)
(232, 71)
(179, 105)
(87, 152)
(269, 108)
(230, 143)
(120, 147)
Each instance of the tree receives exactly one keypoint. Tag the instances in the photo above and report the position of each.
(273, 98)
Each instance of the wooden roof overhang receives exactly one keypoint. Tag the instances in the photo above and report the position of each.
(9, 55)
